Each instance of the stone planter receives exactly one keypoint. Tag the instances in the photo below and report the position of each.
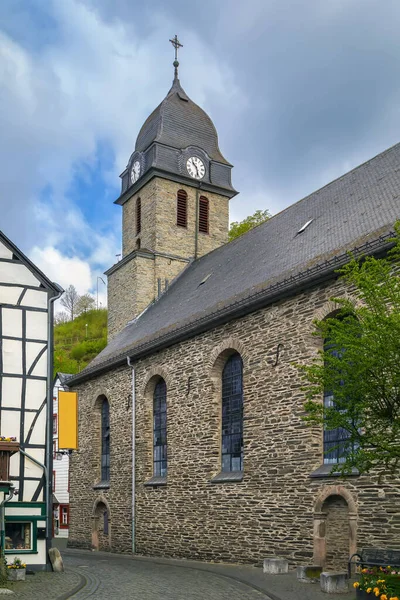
(16, 574)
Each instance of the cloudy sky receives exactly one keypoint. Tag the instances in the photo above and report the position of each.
(300, 91)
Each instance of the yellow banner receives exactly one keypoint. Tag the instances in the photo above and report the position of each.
(67, 420)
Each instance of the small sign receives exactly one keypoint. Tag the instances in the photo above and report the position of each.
(67, 420)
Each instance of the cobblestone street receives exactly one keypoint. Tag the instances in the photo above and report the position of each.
(101, 576)
(110, 577)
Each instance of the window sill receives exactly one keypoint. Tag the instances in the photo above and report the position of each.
(326, 471)
(102, 485)
(227, 477)
(155, 481)
(19, 551)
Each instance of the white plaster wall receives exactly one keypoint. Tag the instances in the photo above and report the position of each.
(35, 298)
(35, 392)
(17, 273)
(32, 559)
(10, 423)
(12, 322)
(39, 429)
(36, 325)
(4, 251)
(32, 351)
(9, 295)
(11, 390)
(13, 508)
(12, 356)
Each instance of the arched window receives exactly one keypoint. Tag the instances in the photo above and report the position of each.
(181, 208)
(138, 216)
(337, 443)
(160, 429)
(203, 214)
(232, 414)
(105, 441)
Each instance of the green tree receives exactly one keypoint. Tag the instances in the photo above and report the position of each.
(84, 303)
(362, 375)
(238, 228)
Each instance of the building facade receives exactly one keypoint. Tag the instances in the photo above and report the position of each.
(26, 321)
(192, 442)
(60, 468)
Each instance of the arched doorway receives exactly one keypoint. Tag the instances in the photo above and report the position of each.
(335, 528)
(101, 526)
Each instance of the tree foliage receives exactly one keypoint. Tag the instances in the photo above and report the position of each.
(238, 228)
(364, 374)
(69, 300)
(84, 303)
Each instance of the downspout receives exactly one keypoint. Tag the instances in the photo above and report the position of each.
(2, 521)
(128, 360)
(48, 467)
(196, 232)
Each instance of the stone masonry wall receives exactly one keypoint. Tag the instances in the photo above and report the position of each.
(181, 240)
(148, 196)
(271, 511)
(85, 463)
(130, 289)
(159, 230)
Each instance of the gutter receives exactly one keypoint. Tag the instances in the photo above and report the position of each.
(128, 360)
(48, 467)
(282, 289)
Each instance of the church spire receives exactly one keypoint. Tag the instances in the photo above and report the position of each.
(176, 44)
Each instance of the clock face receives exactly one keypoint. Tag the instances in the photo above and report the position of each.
(135, 171)
(195, 167)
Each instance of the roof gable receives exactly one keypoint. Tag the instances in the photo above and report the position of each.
(16, 255)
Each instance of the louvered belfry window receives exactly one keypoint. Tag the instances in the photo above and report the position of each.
(181, 208)
(138, 216)
(203, 214)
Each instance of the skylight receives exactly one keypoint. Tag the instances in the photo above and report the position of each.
(304, 226)
(205, 279)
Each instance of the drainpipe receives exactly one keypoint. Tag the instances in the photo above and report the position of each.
(49, 425)
(196, 232)
(2, 521)
(128, 360)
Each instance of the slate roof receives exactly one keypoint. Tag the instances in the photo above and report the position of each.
(64, 377)
(179, 122)
(358, 210)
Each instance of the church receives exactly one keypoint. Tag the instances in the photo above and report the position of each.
(191, 438)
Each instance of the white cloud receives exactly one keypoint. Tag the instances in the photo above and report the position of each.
(64, 270)
(94, 83)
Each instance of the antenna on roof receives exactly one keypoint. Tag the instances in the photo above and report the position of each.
(176, 44)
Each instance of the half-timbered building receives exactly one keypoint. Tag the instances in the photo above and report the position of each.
(26, 322)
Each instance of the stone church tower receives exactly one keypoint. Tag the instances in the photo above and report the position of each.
(175, 200)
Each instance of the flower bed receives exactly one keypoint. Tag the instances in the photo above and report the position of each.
(378, 582)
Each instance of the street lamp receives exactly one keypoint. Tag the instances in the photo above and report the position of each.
(101, 279)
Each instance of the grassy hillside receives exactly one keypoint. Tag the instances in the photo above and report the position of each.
(75, 345)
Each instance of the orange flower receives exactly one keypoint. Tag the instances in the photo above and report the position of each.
(356, 584)
(384, 597)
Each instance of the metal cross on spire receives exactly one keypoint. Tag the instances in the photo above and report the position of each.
(176, 44)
